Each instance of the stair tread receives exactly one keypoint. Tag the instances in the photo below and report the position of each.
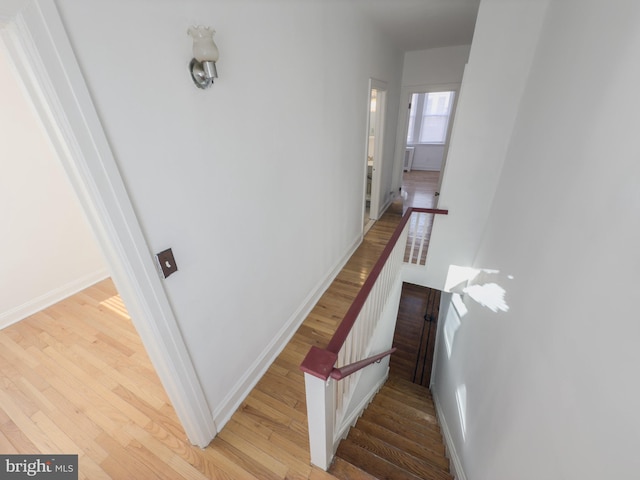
(417, 432)
(398, 383)
(399, 458)
(416, 448)
(344, 470)
(371, 463)
(406, 411)
(409, 399)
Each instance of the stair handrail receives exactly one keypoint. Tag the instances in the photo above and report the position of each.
(333, 406)
(320, 364)
(343, 372)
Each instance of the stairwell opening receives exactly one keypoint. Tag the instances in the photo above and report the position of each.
(415, 334)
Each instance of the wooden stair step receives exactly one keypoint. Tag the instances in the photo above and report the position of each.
(401, 426)
(406, 411)
(397, 457)
(409, 387)
(346, 471)
(416, 448)
(421, 403)
(399, 383)
(371, 463)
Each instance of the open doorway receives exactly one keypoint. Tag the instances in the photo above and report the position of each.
(374, 150)
(53, 252)
(76, 377)
(37, 44)
(415, 334)
(426, 140)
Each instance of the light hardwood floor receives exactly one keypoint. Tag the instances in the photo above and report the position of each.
(419, 187)
(76, 379)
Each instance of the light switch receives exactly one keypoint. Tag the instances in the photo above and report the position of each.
(167, 262)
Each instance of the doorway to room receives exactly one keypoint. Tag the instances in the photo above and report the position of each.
(374, 151)
(429, 122)
(36, 42)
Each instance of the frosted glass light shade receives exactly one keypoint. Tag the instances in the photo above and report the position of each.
(204, 48)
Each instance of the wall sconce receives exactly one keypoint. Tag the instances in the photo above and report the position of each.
(205, 55)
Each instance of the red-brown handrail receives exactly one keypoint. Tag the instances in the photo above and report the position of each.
(342, 372)
(350, 317)
(319, 362)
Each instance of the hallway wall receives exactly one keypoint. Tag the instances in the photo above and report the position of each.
(257, 183)
(545, 386)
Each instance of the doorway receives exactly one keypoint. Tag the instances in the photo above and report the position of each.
(426, 136)
(36, 42)
(415, 334)
(374, 151)
(53, 252)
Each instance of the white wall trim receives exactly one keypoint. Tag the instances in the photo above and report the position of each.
(39, 47)
(456, 465)
(243, 387)
(50, 298)
(378, 163)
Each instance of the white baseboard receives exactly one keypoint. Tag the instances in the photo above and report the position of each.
(456, 465)
(222, 414)
(50, 298)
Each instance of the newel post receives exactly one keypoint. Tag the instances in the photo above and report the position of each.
(321, 419)
(320, 389)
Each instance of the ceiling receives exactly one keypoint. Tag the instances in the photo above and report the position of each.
(423, 24)
(409, 24)
(8, 8)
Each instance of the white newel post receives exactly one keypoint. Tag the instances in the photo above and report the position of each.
(321, 417)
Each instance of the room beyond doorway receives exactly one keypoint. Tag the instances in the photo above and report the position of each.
(419, 188)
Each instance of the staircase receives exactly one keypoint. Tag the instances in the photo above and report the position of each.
(397, 437)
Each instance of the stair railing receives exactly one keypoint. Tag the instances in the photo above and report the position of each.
(334, 400)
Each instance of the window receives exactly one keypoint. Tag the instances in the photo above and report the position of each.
(429, 117)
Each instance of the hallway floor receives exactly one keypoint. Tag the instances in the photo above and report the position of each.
(76, 379)
(419, 187)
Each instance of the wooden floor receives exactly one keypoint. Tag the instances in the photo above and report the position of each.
(75, 379)
(419, 187)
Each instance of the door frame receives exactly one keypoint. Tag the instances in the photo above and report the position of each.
(403, 125)
(378, 161)
(39, 48)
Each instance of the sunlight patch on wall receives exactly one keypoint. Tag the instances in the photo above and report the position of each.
(478, 284)
(452, 324)
(490, 295)
(461, 400)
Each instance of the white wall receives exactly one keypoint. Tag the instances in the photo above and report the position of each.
(48, 250)
(226, 177)
(493, 83)
(552, 383)
(434, 66)
(428, 157)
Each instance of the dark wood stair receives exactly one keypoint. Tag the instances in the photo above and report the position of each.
(397, 438)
